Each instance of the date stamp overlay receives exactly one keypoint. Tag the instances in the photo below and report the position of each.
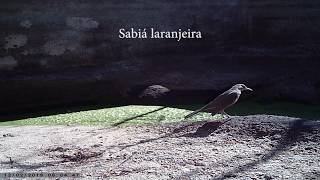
(40, 175)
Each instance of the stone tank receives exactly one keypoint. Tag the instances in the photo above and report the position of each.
(68, 52)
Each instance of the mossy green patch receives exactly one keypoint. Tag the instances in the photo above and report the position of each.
(113, 116)
(138, 114)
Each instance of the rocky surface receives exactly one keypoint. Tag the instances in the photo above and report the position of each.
(256, 147)
(154, 91)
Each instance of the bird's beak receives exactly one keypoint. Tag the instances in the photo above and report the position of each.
(249, 89)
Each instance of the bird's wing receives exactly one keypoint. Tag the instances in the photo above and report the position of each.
(221, 102)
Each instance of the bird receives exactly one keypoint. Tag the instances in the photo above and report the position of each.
(223, 101)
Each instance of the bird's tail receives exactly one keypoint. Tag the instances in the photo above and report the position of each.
(193, 113)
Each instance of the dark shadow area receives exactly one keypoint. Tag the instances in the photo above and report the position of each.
(134, 117)
(207, 129)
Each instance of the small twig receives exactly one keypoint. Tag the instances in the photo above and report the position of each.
(127, 159)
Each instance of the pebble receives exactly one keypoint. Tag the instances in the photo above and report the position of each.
(8, 135)
(199, 164)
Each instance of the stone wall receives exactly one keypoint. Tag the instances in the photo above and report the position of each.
(68, 51)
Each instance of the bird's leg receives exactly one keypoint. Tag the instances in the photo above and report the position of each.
(224, 113)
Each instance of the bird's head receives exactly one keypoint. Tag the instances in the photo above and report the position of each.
(242, 87)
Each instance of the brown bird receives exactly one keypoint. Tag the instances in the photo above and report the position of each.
(223, 101)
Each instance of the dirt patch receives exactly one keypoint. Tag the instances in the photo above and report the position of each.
(260, 147)
(75, 154)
